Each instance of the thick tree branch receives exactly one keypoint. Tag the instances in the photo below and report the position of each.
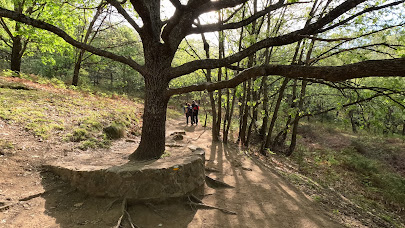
(59, 32)
(125, 14)
(382, 68)
(273, 41)
(4, 25)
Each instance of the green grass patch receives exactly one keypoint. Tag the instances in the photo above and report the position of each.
(64, 114)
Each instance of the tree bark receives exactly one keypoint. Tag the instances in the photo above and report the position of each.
(226, 131)
(274, 117)
(152, 144)
(16, 54)
(78, 63)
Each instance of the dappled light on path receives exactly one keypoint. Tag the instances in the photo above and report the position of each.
(260, 197)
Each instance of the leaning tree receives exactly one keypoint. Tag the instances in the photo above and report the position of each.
(161, 39)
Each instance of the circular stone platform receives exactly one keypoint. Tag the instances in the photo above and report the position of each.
(172, 176)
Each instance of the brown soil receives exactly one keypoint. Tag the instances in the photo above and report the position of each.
(260, 197)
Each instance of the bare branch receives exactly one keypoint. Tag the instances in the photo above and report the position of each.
(360, 13)
(317, 59)
(328, 40)
(244, 22)
(5, 27)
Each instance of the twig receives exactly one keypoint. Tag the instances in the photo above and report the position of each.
(133, 225)
(193, 198)
(119, 222)
(123, 210)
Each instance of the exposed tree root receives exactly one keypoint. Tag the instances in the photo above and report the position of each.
(196, 203)
(216, 183)
(111, 204)
(125, 216)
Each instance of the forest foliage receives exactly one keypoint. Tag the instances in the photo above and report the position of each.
(264, 111)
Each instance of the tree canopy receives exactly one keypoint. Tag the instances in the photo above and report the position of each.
(263, 26)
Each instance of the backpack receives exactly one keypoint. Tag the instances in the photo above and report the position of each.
(196, 107)
(189, 109)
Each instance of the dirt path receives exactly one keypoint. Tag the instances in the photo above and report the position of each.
(260, 197)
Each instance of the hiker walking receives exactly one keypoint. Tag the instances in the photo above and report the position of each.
(188, 110)
(195, 107)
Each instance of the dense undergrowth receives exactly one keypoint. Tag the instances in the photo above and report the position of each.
(367, 170)
(50, 111)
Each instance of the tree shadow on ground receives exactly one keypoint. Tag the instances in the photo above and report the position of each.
(261, 198)
(71, 208)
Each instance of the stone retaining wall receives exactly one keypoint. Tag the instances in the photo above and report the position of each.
(153, 180)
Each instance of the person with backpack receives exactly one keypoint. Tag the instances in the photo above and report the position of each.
(188, 110)
(194, 117)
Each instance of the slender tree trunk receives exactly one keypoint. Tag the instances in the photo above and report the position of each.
(352, 121)
(297, 119)
(16, 55)
(226, 133)
(245, 115)
(214, 130)
(243, 102)
(78, 63)
(276, 109)
(219, 113)
(403, 128)
(227, 111)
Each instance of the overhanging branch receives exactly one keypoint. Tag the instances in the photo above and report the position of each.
(371, 68)
(59, 32)
(269, 42)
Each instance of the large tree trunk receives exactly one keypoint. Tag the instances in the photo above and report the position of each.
(152, 144)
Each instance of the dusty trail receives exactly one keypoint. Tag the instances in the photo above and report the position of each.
(260, 198)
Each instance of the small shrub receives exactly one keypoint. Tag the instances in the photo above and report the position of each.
(79, 135)
(115, 131)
